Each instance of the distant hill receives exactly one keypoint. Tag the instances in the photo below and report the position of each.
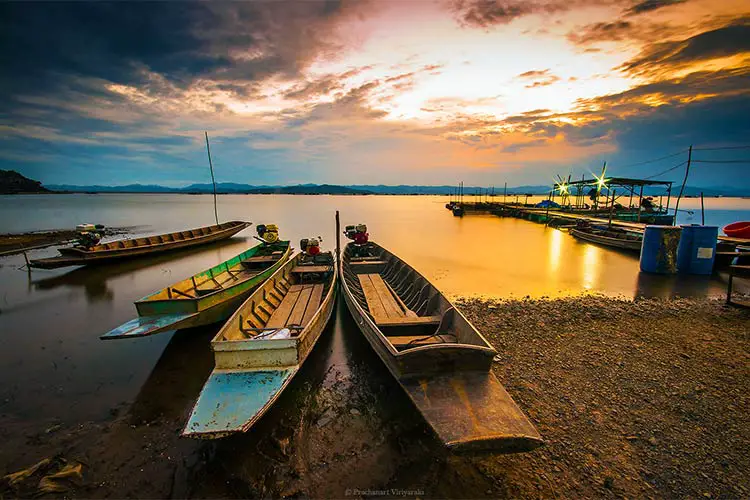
(222, 188)
(11, 182)
(361, 189)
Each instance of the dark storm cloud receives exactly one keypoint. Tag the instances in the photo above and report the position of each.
(489, 13)
(726, 41)
(486, 13)
(650, 5)
(50, 45)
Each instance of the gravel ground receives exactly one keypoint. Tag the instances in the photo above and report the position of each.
(634, 399)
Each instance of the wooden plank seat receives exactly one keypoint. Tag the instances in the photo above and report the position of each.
(311, 269)
(298, 307)
(386, 308)
(407, 340)
(411, 321)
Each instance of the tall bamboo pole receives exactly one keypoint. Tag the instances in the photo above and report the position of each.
(213, 180)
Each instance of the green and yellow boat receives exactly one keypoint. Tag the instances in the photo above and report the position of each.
(207, 297)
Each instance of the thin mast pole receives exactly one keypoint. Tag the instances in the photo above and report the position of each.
(687, 171)
(213, 180)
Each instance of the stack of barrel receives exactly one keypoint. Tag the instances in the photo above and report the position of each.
(690, 248)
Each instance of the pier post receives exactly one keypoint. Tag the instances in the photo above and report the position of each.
(682, 189)
(640, 203)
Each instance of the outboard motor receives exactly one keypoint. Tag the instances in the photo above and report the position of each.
(89, 235)
(269, 233)
(310, 246)
(358, 234)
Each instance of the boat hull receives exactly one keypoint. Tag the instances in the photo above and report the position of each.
(622, 244)
(250, 375)
(158, 316)
(738, 230)
(77, 256)
(452, 387)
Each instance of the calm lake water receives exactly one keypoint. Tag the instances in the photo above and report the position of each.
(54, 367)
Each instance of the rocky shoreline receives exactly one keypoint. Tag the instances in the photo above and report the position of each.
(642, 398)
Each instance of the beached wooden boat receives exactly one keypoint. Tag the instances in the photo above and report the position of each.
(262, 346)
(207, 297)
(138, 247)
(610, 237)
(437, 356)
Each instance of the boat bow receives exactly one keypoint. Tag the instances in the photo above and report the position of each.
(149, 325)
(472, 411)
(231, 401)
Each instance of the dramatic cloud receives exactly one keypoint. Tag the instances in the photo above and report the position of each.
(355, 92)
(651, 5)
(484, 13)
(722, 42)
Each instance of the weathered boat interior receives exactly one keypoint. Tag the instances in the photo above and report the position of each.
(243, 267)
(287, 302)
(406, 308)
(157, 239)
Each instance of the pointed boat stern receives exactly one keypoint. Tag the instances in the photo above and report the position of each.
(471, 411)
(231, 401)
(144, 326)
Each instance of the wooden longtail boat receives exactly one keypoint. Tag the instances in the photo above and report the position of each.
(262, 346)
(137, 247)
(438, 357)
(610, 237)
(207, 297)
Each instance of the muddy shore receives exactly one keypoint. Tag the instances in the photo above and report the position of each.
(18, 242)
(634, 399)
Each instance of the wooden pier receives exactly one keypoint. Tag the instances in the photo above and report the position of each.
(556, 217)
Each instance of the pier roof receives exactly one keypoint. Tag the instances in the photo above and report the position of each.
(620, 181)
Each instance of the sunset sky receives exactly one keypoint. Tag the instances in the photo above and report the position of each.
(379, 92)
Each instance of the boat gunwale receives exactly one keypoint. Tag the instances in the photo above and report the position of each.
(404, 355)
(282, 259)
(93, 254)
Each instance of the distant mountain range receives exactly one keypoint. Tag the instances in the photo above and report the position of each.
(363, 189)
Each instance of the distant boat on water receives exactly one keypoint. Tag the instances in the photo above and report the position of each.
(82, 254)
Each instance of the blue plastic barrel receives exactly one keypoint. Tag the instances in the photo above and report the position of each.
(659, 249)
(697, 249)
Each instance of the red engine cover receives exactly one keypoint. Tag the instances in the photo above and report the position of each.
(313, 250)
(361, 238)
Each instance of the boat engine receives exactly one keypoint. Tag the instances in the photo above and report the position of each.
(358, 234)
(89, 235)
(269, 233)
(310, 246)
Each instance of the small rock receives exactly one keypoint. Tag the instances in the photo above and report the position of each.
(355, 412)
(608, 482)
(652, 441)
